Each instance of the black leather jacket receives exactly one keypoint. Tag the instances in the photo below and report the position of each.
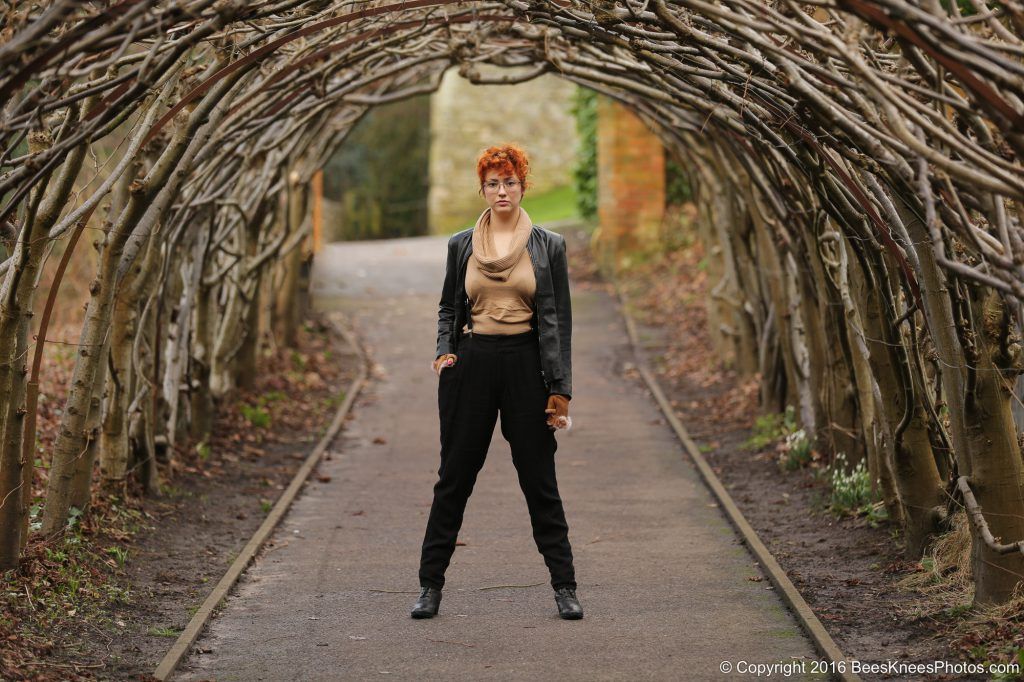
(552, 312)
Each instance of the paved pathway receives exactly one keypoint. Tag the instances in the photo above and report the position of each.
(663, 579)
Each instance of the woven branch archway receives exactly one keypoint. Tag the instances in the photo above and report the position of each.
(857, 166)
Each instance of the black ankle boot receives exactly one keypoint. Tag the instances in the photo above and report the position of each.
(568, 606)
(426, 605)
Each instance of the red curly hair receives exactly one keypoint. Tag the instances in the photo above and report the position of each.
(508, 159)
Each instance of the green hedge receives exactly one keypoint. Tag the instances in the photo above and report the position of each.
(584, 172)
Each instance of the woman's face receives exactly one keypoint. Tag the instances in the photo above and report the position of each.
(503, 199)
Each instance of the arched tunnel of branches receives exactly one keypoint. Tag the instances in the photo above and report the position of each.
(856, 165)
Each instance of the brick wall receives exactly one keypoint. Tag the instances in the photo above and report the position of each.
(630, 181)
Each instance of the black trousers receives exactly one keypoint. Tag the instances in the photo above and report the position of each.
(495, 373)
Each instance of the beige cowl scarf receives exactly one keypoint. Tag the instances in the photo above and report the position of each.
(488, 263)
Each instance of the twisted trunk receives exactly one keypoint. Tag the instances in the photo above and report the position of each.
(122, 378)
(16, 303)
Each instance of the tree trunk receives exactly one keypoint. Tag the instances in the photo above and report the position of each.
(122, 378)
(174, 343)
(16, 303)
(996, 475)
(913, 463)
(247, 360)
(783, 357)
(874, 426)
(144, 416)
(202, 344)
(81, 481)
(832, 393)
(287, 312)
(981, 425)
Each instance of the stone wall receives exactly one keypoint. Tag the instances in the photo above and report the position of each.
(466, 118)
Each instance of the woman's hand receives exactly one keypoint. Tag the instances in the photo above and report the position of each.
(558, 412)
(443, 361)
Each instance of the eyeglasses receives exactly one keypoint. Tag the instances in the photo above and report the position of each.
(511, 185)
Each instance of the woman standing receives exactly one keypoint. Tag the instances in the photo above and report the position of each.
(503, 346)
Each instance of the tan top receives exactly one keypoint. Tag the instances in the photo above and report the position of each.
(501, 307)
(500, 289)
